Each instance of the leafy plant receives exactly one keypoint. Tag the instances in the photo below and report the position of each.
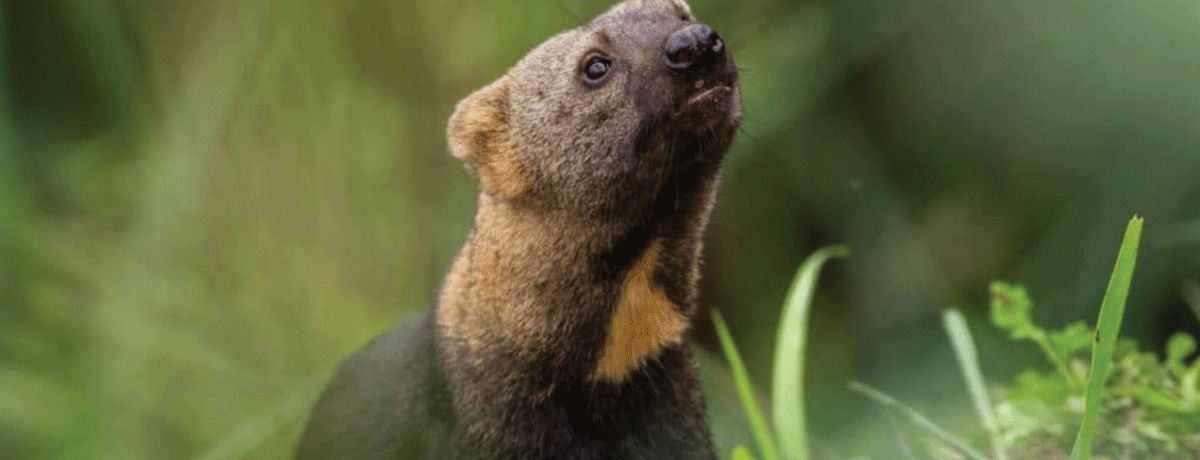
(1142, 406)
(1127, 404)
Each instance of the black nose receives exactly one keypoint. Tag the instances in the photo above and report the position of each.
(694, 48)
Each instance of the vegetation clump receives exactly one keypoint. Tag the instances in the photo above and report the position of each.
(1127, 403)
(1150, 405)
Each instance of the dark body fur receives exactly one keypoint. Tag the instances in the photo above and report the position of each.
(387, 401)
(390, 401)
(560, 328)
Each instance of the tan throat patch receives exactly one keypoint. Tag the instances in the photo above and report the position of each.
(643, 323)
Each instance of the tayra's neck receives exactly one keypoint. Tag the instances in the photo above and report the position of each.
(572, 300)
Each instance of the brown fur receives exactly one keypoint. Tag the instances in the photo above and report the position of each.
(584, 259)
(560, 329)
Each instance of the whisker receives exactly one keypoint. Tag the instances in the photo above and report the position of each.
(752, 138)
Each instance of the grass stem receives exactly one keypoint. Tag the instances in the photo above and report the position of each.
(918, 419)
(741, 379)
(1112, 309)
(787, 383)
(968, 363)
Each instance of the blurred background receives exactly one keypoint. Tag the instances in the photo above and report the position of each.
(205, 205)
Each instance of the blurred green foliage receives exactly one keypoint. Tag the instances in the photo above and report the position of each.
(204, 205)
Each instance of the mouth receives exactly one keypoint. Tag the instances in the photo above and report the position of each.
(718, 105)
(711, 96)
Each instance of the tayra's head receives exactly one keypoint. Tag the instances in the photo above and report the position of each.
(597, 120)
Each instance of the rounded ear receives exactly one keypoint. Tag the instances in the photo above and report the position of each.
(479, 134)
(478, 122)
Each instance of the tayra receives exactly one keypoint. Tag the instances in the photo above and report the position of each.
(561, 328)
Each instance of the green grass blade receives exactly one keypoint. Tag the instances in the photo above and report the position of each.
(1112, 309)
(762, 434)
(968, 363)
(787, 385)
(916, 418)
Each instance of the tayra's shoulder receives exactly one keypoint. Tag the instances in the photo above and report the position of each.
(388, 400)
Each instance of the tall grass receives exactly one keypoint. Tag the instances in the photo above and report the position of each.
(746, 394)
(1112, 309)
(787, 383)
(968, 362)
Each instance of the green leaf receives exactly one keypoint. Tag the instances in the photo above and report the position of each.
(968, 363)
(1011, 310)
(1179, 347)
(787, 384)
(1188, 388)
(1049, 387)
(1112, 309)
(1074, 338)
(1158, 399)
(762, 434)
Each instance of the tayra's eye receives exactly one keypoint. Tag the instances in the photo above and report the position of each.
(596, 69)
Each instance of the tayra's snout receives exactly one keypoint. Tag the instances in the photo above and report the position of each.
(694, 48)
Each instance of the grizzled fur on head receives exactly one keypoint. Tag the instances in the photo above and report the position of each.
(543, 137)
